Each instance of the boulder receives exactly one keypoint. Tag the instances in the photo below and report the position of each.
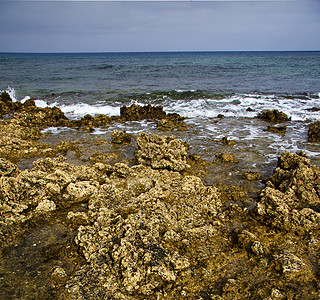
(314, 132)
(121, 137)
(133, 244)
(291, 200)
(227, 158)
(138, 112)
(277, 129)
(161, 152)
(273, 116)
(251, 175)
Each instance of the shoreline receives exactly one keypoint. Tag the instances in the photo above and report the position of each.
(129, 216)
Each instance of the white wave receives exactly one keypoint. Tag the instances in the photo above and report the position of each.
(12, 93)
(82, 109)
(55, 130)
(182, 91)
(238, 106)
(41, 103)
(23, 100)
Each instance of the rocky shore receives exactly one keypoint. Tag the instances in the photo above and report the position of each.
(147, 227)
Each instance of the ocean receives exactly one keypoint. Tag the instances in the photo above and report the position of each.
(197, 85)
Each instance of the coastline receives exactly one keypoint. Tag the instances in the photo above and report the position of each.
(136, 216)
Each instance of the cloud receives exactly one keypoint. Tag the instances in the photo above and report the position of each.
(155, 26)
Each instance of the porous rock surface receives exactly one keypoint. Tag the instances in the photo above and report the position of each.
(121, 137)
(273, 116)
(291, 200)
(161, 152)
(138, 112)
(314, 132)
(134, 240)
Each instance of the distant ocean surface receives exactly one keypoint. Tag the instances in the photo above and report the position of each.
(201, 84)
(197, 85)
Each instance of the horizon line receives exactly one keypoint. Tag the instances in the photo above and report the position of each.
(152, 51)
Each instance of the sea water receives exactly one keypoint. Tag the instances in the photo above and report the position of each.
(197, 85)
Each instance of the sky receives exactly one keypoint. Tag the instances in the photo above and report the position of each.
(103, 26)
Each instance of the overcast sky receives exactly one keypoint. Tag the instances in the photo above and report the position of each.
(69, 26)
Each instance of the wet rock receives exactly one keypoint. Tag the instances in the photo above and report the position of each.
(77, 218)
(121, 137)
(273, 116)
(59, 276)
(161, 152)
(277, 129)
(64, 147)
(171, 122)
(6, 104)
(291, 199)
(313, 109)
(20, 142)
(166, 125)
(251, 175)
(88, 122)
(314, 132)
(250, 242)
(8, 168)
(88, 129)
(227, 141)
(138, 113)
(227, 158)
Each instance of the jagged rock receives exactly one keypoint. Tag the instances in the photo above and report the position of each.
(121, 137)
(64, 147)
(291, 199)
(314, 132)
(18, 141)
(278, 129)
(88, 122)
(161, 152)
(289, 262)
(59, 276)
(171, 122)
(46, 206)
(81, 191)
(166, 125)
(6, 104)
(273, 116)
(124, 245)
(77, 218)
(250, 242)
(138, 113)
(8, 168)
(227, 158)
(313, 109)
(226, 141)
(251, 175)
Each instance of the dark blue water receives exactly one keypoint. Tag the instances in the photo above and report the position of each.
(100, 76)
